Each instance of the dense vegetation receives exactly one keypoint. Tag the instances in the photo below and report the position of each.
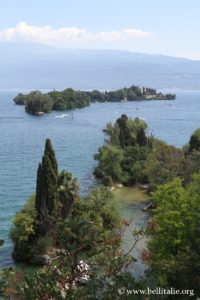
(36, 102)
(82, 237)
(88, 262)
(131, 156)
(174, 175)
(174, 248)
(122, 158)
(88, 246)
(77, 240)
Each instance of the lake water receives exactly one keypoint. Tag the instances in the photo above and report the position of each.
(76, 136)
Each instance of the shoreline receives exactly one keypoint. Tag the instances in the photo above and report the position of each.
(131, 208)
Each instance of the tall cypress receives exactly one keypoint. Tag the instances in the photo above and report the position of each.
(141, 138)
(46, 200)
(51, 154)
(40, 203)
(50, 181)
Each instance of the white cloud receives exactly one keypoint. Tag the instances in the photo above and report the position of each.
(68, 36)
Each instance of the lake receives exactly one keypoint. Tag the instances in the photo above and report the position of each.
(76, 136)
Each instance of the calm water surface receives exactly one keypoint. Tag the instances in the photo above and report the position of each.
(76, 136)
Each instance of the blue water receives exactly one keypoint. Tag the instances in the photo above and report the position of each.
(76, 136)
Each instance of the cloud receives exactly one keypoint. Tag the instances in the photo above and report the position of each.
(68, 35)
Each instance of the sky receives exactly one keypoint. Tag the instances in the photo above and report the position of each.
(168, 27)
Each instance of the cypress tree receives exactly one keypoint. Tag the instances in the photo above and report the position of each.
(46, 200)
(141, 138)
(40, 203)
(122, 123)
(51, 154)
(50, 181)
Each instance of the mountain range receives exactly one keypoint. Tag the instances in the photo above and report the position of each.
(30, 66)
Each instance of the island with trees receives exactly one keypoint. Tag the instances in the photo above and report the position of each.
(78, 241)
(37, 103)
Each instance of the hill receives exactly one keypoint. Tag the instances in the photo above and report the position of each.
(34, 66)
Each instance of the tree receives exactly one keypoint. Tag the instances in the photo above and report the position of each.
(163, 164)
(49, 151)
(59, 104)
(68, 189)
(25, 227)
(91, 263)
(23, 231)
(194, 143)
(125, 135)
(110, 159)
(141, 138)
(174, 244)
(134, 162)
(112, 132)
(46, 199)
(191, 165)
(37, 102)
(36, 226)
(124, 155)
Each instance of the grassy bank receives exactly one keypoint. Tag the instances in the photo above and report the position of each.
(131, 195)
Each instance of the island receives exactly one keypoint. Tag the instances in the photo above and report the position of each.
(38, 103)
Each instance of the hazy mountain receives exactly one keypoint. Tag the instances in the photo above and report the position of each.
(35, 66)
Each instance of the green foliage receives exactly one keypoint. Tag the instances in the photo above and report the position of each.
(50, 185)
(70, 99)
(24, 227)
(48, 151)
(163, 164)
(112, 133)
(24, 222)
(194, 143)
(122, 158)
(103, 203)
(93, 219)
(68, 189)
(37, 102)
(175, 232)
(23, 230)
(46, 200)
(141, 138)
(191, 165)
(107, 181)
(133, 163)
(43, 244)
(110, 159)
(90, 237)
(11, 282)
(89, 232)
(20, 99)
(59, 104)
(125, 136)
(35, 227)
